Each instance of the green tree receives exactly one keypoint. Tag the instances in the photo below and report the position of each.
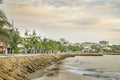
(97, 48)
(25, 43)
(15, 40)
(4, 33)
(115, 48)
(34, 43)
(26, 32)
(34, 32)
(44, 45)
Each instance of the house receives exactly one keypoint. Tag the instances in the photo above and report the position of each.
(87, 45)
(5, 49)
(2, 45)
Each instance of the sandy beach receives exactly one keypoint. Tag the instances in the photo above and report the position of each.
(82, 68)
(58, 73)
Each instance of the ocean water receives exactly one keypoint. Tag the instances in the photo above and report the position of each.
(84, 68)
(105, 67)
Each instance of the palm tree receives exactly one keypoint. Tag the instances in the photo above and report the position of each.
(26, 45)
(37, 44)
(16, 39)
(3, 20)
(4, 33)
(33, 44)
(43, 45)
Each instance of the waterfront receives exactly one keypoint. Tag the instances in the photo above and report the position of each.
(105, 67)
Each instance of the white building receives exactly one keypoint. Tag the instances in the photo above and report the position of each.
(87, 45)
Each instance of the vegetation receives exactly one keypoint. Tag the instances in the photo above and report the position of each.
(115, 48)
(4, 33)
(34, 44)
(15, 40)
(96, 48)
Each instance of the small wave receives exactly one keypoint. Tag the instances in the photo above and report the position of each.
(107, 75)
(73, 67)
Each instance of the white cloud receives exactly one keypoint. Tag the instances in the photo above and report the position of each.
(67, 15)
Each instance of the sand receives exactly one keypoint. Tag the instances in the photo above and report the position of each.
(60, 75)
(95, 68)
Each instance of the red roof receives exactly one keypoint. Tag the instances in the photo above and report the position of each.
(2, 44)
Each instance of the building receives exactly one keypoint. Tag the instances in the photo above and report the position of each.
(87, 45)
(76, 44)
(2, 45)
(103, 43)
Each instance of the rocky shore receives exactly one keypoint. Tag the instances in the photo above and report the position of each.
(19, 68)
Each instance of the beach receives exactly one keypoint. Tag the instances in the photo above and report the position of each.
(82, 68)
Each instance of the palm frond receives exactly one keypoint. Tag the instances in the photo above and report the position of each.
(4, 20)
(4, 35)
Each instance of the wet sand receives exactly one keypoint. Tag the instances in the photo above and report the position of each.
(58, 73)
(82, 68)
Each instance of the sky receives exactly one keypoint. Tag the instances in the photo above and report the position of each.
(74, 20)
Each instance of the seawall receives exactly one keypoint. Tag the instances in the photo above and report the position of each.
(19, 68)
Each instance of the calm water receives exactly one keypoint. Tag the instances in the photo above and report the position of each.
(104, 67)
(84, 68)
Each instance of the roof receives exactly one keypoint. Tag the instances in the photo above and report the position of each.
(2, 44)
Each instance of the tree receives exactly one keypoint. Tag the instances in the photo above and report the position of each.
(34, 32)
(115, 48)
(26, 45)
(34, 44)
(4, 33)
(31, 44)
(15, 40)
(97, 48)
(43, 45)
(26, 32)
(63, 41)
(53, 46)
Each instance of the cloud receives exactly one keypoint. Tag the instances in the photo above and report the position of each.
(90, 17)
(84, 21)
(1, 1)
(65, 17)
(115, 30)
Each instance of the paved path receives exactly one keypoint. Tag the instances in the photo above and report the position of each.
(18, 55)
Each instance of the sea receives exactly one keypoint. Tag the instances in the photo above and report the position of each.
(105, 67)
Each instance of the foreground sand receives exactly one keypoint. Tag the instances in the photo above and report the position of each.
(58, 73)
(86, 68)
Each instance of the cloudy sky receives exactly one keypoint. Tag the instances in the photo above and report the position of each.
(74, 20)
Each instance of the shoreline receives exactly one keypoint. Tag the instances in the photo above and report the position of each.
(20, 67)
(81, 68)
